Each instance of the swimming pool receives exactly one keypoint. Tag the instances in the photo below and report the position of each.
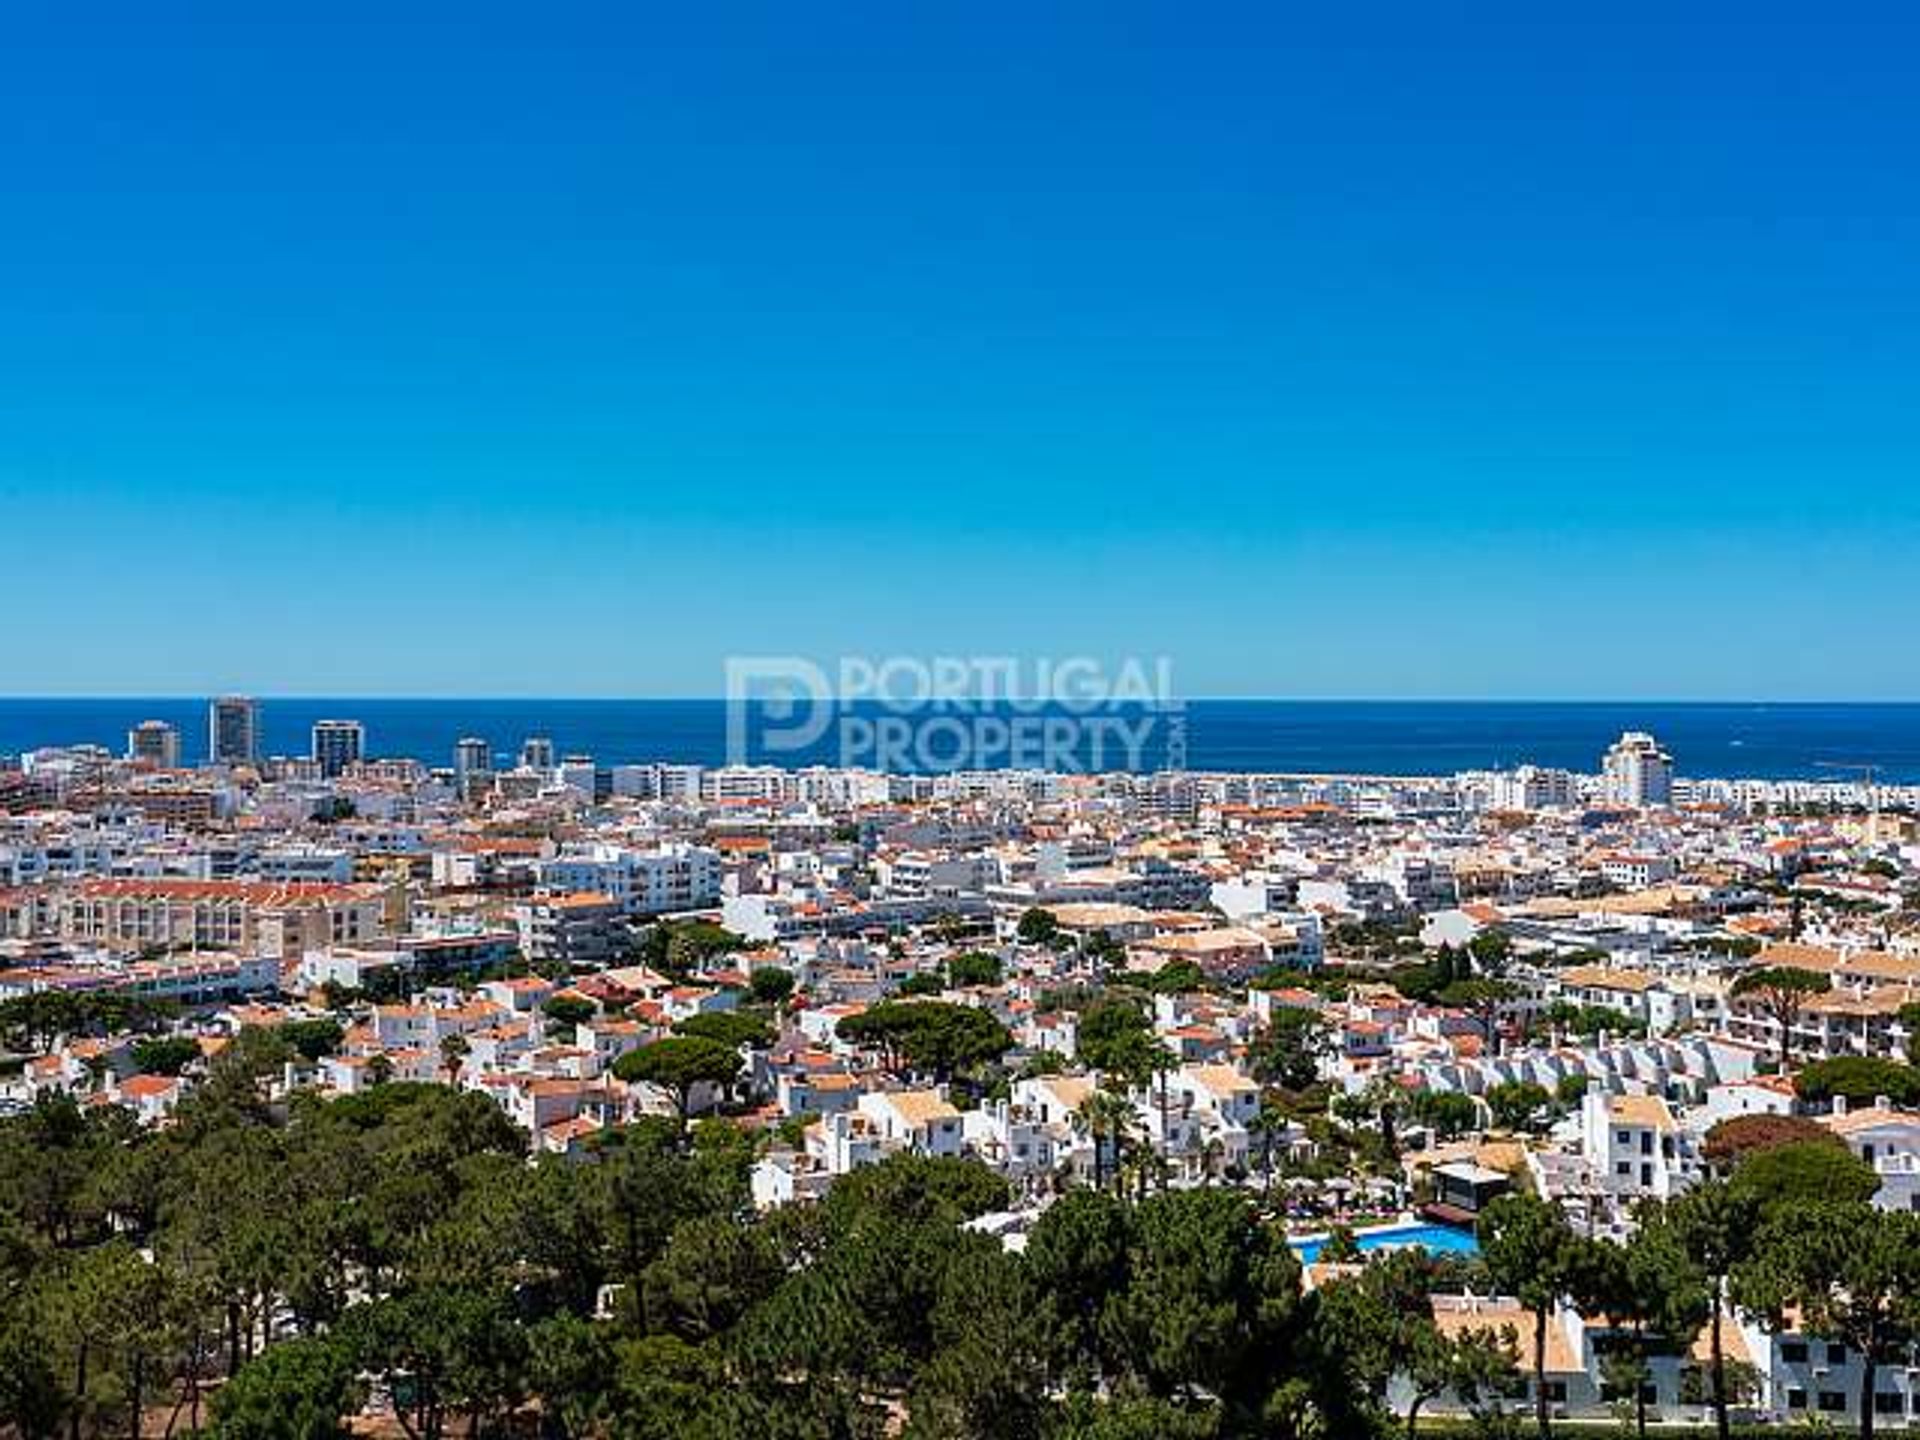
(1438, 1239)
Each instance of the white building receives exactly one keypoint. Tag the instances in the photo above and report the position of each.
(1255, 894)
(918, 1120)
(1635, 1150)
(744, 782)
(1422, 882)
(577, 772)
(916, 874)
(1013, 1140)
(1638, 772)
(1533, 787)
(1889, 1141)
(670, 878)
(1635, 870)
(304, 864)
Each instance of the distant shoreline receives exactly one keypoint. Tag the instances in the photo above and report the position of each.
(1352, 740)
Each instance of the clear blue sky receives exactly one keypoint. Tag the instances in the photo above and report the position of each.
(1433, 350)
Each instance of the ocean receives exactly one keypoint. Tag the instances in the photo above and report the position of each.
(1770, 741)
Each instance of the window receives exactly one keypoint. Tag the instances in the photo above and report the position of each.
(1646, 1142)
(1793, 1352)
(1796, 1399)
(1836, 1354)
(1833, 1401)
(1885, 1403)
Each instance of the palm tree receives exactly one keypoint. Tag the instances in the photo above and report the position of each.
(1107, 1118)
(1267, 1123)
(1146, 1068)
(454, 1050)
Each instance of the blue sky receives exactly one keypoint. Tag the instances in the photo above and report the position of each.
(1399, 351)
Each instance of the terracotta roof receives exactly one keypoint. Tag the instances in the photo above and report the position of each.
(1870, 1118)
(249, 892)
(1456, 1317)
(1647, 1110)
(1606, 977)
(148, 1087)
(1220, 1080)
(921, 1107)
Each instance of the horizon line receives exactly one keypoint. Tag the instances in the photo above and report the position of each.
(706, 699)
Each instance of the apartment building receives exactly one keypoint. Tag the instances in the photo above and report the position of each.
(1223, 952)
(274, 919)
(1533, 787)
(918, 1120)
(154, 743)
(1638, 772)
(1634, 1148)
(233, 730)
(1889, 1141)
(336, 745)
(1011, 1139)
(424, 1026)
(1806, 1379)
(585, 928)
(1636, 870)
(916, 874)
(664, 880)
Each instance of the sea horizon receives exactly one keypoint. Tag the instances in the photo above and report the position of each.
(301, 698)
(1710, 739)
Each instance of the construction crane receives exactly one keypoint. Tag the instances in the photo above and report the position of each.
(1870, 773)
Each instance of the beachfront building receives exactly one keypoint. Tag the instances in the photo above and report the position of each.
(337, 744)
(1638, 772)
(154, 743)
(233, 730)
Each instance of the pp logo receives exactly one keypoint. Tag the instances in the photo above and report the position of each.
(776, 705)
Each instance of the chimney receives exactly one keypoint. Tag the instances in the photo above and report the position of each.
(1839, 1104)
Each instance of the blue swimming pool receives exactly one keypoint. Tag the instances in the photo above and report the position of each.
(1440, 1239)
